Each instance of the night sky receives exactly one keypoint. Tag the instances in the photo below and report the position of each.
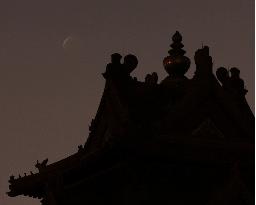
(50, 91)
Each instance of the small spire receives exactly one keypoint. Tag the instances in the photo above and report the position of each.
(176, 64)
(177, 37)
(176, 46)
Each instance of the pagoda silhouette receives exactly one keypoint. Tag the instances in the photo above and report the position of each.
(179, 141)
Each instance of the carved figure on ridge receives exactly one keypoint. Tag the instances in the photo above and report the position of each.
(233, 83)
(42, 165)
(113, 68)
(151, 79)
(223, 76)
(117, 70)
(130, 63)
(236, 83)
(203, 62)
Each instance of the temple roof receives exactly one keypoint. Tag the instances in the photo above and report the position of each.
(178, 118)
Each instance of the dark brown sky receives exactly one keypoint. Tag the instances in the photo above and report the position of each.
(49, 94)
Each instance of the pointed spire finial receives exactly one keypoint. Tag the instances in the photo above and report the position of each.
(177, 37)
(176, 64)
(176, 46)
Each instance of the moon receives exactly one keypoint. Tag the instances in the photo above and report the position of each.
(67, 42)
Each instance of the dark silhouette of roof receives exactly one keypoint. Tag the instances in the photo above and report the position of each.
(180, 119)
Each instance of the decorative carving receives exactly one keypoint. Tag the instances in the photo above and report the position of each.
(233, 83)
(208, 129)
(203, 62)
(130, 63)
(236, 83)
(42, 165)
(116, 70)
(80, 148)
(176, 64)
(223, 76)
(113, 68)
(151, 79)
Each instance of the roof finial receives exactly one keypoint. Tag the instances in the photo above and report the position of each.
(176, 46)
(176, 64)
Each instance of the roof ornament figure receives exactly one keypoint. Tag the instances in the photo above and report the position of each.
(12, 178)
(151, 79)
(176, 64)
(203, 62)
(223, 76)
(80, 148)
(232, 83)
(236, 83)
(130, 63)
(117, 70)
(42, 165)
(113, 68)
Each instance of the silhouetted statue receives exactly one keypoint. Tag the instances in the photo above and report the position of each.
(114, 67)
(120, 71)
(236, 83)
(130, 63)
(151, 79)
(203, 62)
(233, 84)
(148, 78)
(223, 76)
(42, 165)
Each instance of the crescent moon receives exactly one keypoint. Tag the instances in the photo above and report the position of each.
(66, 42)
